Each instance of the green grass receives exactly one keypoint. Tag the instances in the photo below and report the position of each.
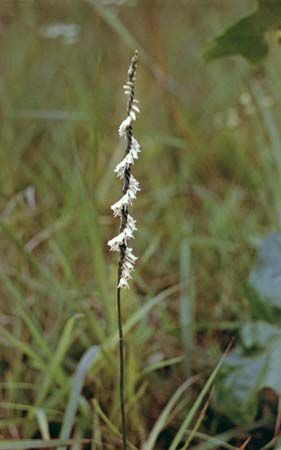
(210, 190)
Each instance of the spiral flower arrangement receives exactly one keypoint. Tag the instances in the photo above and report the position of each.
(130, 184)
(127, 222)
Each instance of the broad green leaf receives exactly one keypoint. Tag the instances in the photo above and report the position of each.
(246, 372)
(256, 335)
(247, 36)
(265, 277)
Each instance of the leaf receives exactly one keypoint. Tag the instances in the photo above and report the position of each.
(110, 425)
(246, 37)
(246, 372)
(28, 444)
(163, 418)
(265, 277)
(78, 381)
(195, 407)
(256, 335)
(186, 312)
(54, 368)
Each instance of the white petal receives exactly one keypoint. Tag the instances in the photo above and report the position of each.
(124, 125)
(133, 115)
(135, 145)
(120, 168)
(117, 207)
(128, 233)
(134, 153)
(123, 283)
(116, 242)
(129, 159)
(136, 108)
(131, 193)
(135, 142)
(130, 256)
(127, 268)
(124, 164)
(126, 200)
(134, 185)
(131, 223)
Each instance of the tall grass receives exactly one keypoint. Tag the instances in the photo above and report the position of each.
(60, 106)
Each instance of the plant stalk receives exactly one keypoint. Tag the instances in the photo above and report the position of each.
(121, 370)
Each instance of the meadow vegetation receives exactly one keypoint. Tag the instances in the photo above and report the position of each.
(210, 172)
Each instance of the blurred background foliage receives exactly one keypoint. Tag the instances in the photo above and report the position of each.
(210, 173)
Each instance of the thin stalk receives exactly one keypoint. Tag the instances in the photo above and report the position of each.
(121, 368)
(127, 222)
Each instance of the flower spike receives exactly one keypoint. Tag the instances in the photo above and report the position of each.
(130, 184)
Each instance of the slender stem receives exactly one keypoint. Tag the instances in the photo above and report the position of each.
(124, 255)
(121, 369)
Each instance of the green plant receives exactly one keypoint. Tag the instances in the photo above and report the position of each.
(128, 224)
(255, 363)
(247, 37)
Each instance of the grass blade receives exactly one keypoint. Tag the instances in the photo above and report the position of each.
(186, 305)
(109, 424)
(162, 419)
(36, 444)
(79, 378)
(43, 423)
(197, 424)
(180, 434)
(59, 355)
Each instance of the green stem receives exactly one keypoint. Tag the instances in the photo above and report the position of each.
(121, 369)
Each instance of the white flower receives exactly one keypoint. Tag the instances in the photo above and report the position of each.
(117, 207)
(128, 160)
(124, 125)
(135, 148)
(128, 88)
(123, 165)
(127, 268)
(123, 283)
(130, 187)
(115, 243)
(134, 185)
(127, 233)
(127, 198)
(124, 201)
(131, 223)
(128, 85)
